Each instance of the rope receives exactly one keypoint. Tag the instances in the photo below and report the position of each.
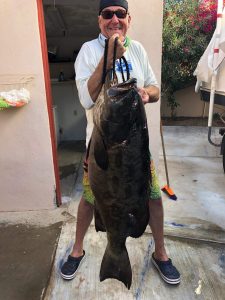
(114, 62)
(127, 67)
(105, 61)
(121, 67)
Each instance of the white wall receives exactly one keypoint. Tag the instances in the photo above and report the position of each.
(71, 115)
(190, 104)
(146, 27)
(26, 167)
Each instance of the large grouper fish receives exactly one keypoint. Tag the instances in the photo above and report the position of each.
(119, 173)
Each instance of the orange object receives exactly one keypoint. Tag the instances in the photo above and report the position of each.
(15, 104)
(167, 190)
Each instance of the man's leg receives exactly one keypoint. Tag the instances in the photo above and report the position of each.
(156, 223)
(84, 218)
(160, 259)
(74, 260)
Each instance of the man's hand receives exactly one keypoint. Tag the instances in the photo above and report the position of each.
(95, 81)
(149, 94)
(119, 50)
(144, 95)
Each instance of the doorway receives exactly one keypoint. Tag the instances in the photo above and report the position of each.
(68, 24)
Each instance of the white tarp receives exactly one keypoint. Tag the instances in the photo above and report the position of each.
(207, 64)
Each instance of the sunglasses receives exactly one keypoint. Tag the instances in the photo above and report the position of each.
(108, 14)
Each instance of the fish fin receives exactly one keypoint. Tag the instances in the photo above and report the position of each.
(100, 153)
(138, 225)
(99, 226)
(116, 266)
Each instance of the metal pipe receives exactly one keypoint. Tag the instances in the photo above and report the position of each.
(210, 140)
(215, 59)
(214, 66)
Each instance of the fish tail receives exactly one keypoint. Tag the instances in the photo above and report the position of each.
(116, 265)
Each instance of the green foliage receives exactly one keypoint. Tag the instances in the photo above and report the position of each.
(187, 29)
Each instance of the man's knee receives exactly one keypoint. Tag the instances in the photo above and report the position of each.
(86, 204)
(156, 203)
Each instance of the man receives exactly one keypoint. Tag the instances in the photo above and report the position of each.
(114, 21)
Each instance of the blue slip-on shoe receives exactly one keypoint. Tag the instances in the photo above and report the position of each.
(71, 266)
(167, 270)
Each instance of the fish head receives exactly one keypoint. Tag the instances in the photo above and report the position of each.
(120, 100)
(119, 111)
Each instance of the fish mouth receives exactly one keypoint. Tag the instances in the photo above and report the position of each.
(114, 92)
(122, 88)
(128, 84)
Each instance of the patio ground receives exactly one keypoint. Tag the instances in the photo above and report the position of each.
(194, 231)
(26, 255)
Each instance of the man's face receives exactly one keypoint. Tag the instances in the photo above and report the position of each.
(114, 25)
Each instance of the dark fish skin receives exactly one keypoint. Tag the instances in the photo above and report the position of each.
(119, 174)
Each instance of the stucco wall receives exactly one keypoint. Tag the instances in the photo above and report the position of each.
(190, 104)
(146, 27)
(26, 167)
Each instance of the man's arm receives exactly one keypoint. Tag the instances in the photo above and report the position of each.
(149, 94)
(95, 81)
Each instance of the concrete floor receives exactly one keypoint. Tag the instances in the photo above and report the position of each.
(197, 178)
(70, 157)
(26, 256)
(28, 240)
(194, 229)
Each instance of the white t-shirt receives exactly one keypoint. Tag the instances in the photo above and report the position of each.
(87, 60)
